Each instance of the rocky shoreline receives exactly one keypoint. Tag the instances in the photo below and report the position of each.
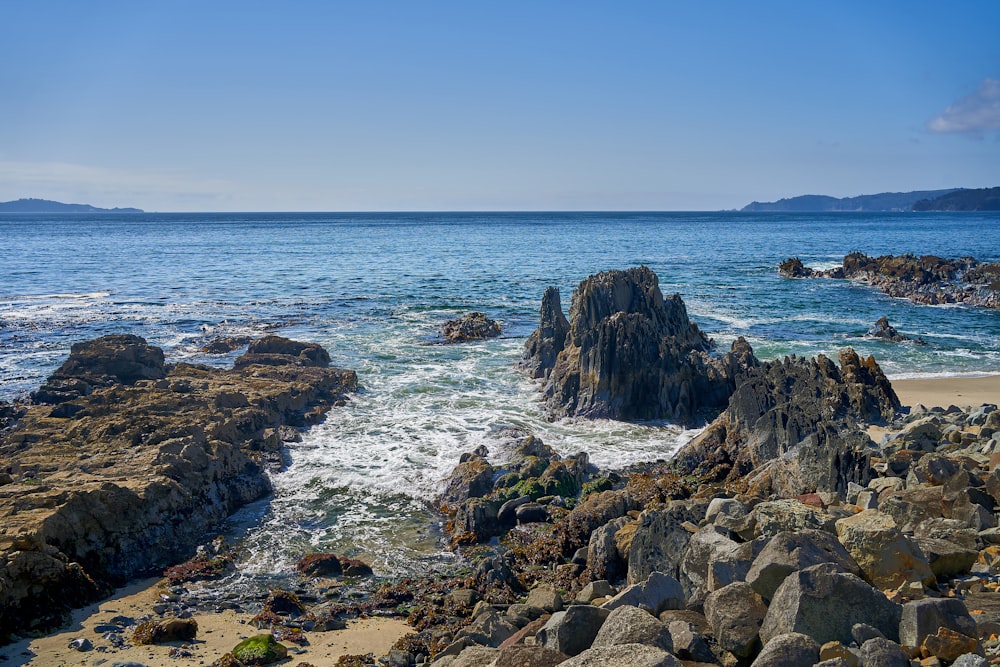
(123, 462)
(784, 534)
(928, 280)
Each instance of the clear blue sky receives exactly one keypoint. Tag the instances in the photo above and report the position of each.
(239, 106)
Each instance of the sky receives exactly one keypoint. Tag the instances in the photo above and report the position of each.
(411, 106)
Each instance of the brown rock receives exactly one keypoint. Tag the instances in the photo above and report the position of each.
(947, 645)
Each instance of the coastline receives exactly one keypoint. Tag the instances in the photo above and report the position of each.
(219, 632)
(945, 391)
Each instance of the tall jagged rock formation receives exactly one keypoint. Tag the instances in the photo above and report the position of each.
(794, 426)
(628, 353)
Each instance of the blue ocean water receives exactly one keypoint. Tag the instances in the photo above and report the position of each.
(375, 288)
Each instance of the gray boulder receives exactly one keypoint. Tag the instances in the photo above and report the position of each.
(623, 655)
(788, 650)
(631, 625)
(735, 613)
(921, 618)
(825, 603)
(689, 643)
(947, 559)
(880, 652)
(661, 539)
(788, 514)
(789, 551)
(545, 597)
(603, 558)
(572, 631)
(731, 566)
(970, 660)
(657, 593)
(709, 545)
(521, 655)
(594, 590)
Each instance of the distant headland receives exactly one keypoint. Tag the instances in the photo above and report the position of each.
(955, 199)
(49, 206)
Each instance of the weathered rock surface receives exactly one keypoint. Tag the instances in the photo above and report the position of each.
(791, 426)
(624, 655)
(825, 603)
(629, 353)
(137, 460)
(792, 649)
(469, 327)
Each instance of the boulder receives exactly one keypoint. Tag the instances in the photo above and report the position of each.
(572, 631)
(789, 551)
(825, 603)
(594, 590)
(544, 596)
(319, 565)
(880, 652)
(921, 618)
(469, 327)
(661, 539)
(631, 354)
(707, 546)
(789, 514)
(948, 644)
(631, 625)
(788, 650)
(946, 559)
(736, 613)
(887, 558)
(657, 593)
(260, 650)
(603, 557)
(623, 655)
(521, 655)
(688, 642)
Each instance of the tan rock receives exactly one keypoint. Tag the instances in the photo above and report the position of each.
(835, 649)
(888, 559)
(948, 644)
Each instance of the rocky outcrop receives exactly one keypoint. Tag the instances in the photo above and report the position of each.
(543, 346)
(629, 354)
(792, 426)
(885, 331)
(137, 459)
(927, 279)
(468, 327)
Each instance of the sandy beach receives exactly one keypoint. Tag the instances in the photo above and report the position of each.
(218, 633)
(942, 392)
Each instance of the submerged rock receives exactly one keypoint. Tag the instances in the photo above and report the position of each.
(885, 331)
(628, 353)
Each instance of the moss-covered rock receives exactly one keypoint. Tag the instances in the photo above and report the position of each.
(259, 650)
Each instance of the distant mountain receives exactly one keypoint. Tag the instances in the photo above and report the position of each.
(886, 201)
(982, 199)
(48, 206)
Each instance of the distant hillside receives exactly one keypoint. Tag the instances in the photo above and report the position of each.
(48, 206)
(982, 199)
(886, 201)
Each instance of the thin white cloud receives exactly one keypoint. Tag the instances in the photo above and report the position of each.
(103, 186)
(974, 114)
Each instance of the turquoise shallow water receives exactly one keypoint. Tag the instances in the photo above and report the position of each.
(375, 288)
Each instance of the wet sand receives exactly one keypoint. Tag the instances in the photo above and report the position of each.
(942, 392)
(218, 633)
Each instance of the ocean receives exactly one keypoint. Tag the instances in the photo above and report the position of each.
(375, 288)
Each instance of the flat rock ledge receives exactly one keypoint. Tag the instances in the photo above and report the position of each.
(123, 463)
(927, 279)
(627, 353)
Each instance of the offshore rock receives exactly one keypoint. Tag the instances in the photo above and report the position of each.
(792, 426)
(471, 326)
(629, 354)
(927, 279)
(149, 459)
(885, 331)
